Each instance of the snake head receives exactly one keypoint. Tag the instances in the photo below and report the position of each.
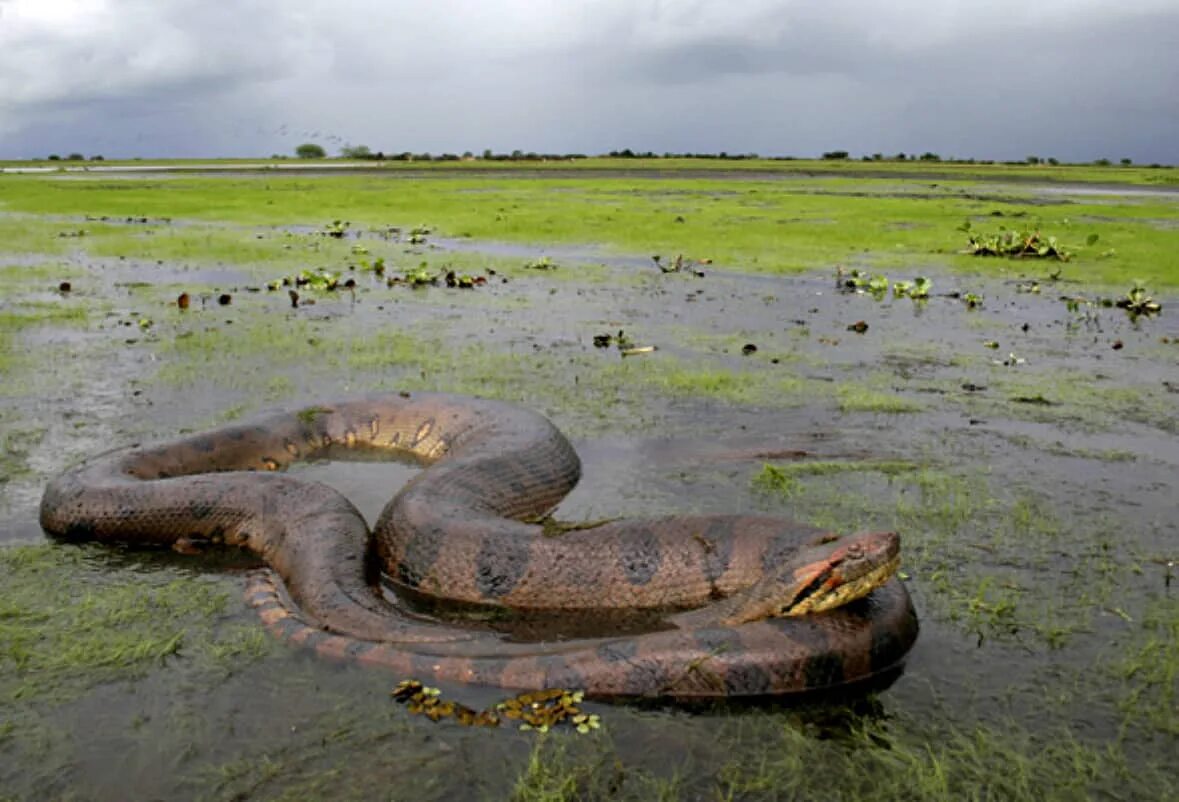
(817, 578)
(833, 574)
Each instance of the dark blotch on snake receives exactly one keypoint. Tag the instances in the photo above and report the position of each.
(500, 565)
(639, 556)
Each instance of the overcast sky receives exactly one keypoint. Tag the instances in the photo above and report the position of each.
(1073, 79)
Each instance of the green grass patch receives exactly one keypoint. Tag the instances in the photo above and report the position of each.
(857, 398)
(60, 638)
(863, 760)
(785, 479)
(997, 562)
(1148, 672)
(1074, 398)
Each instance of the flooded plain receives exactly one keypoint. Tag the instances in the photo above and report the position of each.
(1019, 430)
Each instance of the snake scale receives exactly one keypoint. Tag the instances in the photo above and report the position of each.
(462, 530)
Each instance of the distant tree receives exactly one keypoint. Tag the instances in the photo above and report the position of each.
(310, 150)
(1033, 159)
(76, 157)
(900, 157)
(53, 157)
(835, 154)
(1053, 161)
(1127, 162)
(927, 156)
(97, 157)
(1102, 162)
(877, 157)
(356, 152)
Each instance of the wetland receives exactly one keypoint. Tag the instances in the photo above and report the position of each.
(798, 340)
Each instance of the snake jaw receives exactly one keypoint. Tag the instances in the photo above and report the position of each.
(844, 574)
(825, 576)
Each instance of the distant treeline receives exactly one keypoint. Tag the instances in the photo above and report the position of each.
(363, 152)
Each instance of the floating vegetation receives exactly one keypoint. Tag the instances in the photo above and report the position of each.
(542, 263)
(417, 235)
(423, 276)
(376, 266)
(318, 279)
(859, 281)
(463, 281)
(1028, 243)
(917, 289)
(539, 711)
(337, 229)
(1137, 302)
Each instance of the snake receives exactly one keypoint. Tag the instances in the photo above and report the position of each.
(742, 600)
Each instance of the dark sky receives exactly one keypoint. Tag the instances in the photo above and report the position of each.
(1072, 79)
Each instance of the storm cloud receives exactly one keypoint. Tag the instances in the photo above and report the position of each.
(1073, 79)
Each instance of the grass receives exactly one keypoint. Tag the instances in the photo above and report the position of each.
(1148, 672)
(1030, 575)
(196, 351)
(863, 760)
(857, 398)
(754, 224)
(57, 640)
(1075, 399)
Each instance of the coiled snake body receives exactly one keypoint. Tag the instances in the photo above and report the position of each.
(459, 530)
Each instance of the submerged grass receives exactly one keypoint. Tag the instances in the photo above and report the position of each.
(60, 639)
(1148, 672)
(863, 760)
(1031, 576)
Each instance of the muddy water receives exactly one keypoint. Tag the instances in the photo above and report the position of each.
(1064, 439)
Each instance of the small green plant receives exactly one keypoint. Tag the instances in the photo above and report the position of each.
(542, 263)
(1136, 302)
(418, 277)
(418, 234)
(375, 266)
(857, 280)
(336, 229)
(319, 279)
(917, 289)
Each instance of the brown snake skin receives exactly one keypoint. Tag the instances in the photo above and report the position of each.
(457, 531)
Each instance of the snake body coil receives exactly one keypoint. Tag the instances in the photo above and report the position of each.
(458, 531)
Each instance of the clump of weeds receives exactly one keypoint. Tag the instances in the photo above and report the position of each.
(1027, 243)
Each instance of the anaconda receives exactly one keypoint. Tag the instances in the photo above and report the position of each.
(463, 529)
